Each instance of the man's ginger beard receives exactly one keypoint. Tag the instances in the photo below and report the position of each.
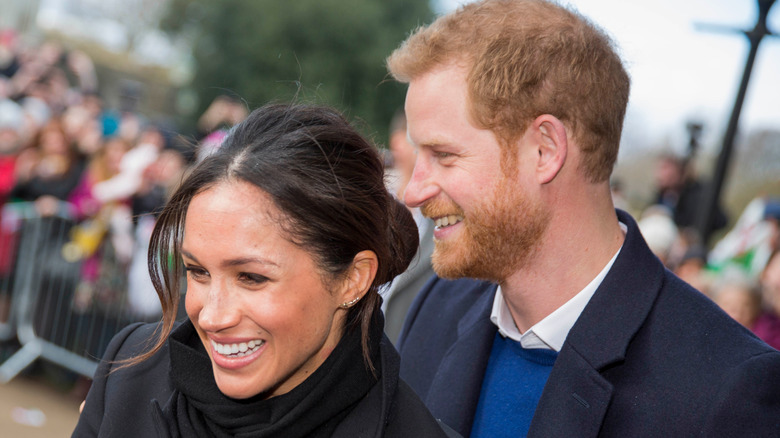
(497, 238)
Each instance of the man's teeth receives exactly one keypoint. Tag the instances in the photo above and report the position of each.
(447, 220)
(237, 350)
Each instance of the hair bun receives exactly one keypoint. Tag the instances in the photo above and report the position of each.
(403, 236)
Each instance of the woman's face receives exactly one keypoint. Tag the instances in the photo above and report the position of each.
(53, 142)
(114, 151)
(257, 301)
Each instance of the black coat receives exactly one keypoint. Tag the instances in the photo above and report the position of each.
(648, 356)
(121, 404)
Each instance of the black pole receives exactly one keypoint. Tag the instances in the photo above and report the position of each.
(711, 201)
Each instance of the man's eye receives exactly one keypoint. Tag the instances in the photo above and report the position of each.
(440, 154)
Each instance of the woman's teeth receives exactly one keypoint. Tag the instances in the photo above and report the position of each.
(447, 220)
(237, 350)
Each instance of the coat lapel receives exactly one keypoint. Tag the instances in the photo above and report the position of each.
(574, 400)
(576, 396)
(456, 387)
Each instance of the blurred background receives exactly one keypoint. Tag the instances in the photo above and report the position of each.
(104, 104)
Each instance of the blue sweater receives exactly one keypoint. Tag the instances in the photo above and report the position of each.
(511, 389)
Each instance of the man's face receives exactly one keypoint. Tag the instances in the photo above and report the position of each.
(487, 225)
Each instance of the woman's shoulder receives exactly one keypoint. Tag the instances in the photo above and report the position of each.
(120, 399)
(410, 417)
(131, 341)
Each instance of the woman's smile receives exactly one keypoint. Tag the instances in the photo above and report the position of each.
(236, 355)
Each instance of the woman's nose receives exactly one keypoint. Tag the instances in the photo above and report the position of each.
(219, 310)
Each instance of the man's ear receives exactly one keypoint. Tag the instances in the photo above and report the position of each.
(359, 277)
(552, 146)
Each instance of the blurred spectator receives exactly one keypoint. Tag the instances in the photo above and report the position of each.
(81, 65)
(9, 59)
(10, 140)
(103, 165)
(49, 171)
(36, 114)
(159, 180)
(223, 113)
(403, 155)
(772, 218)
(618, 197)
(691, 269)
(400, 294)
(213, 125)
(134, 163)
(659, 231)
(83, 125)
(750, 242)
(95, 217)
(740, 300)
(767, 326)
(682, 193)
(11, 117)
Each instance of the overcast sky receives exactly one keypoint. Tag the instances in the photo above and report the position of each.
(680, 73)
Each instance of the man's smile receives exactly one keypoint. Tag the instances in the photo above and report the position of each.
(444, 221)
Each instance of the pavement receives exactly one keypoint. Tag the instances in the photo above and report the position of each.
(31, 406)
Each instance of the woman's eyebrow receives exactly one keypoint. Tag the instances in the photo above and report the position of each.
(234, 262)
(247, 260)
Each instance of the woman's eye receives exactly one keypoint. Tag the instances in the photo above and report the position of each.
(196, 273)
(252, 278)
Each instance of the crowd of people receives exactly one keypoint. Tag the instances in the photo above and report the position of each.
(66, 155)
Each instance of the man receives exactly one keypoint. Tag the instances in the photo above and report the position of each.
(516, 110)
(398, 297)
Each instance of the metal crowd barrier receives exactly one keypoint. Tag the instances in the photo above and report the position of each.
(44, 301)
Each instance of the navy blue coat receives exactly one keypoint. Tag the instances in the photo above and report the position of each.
(649, 356)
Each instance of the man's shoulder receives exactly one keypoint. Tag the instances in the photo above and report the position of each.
(698, 323)
(717, 370)
(453, 293)
(442, 302)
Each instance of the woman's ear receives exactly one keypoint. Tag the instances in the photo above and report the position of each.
(553, 146)
(359, 277)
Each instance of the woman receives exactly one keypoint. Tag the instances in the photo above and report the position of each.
(285, 235)
(49, 171)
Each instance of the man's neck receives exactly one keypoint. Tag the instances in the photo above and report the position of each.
(572, 254)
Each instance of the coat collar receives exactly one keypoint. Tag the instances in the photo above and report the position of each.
(374, 408)
(621, 303)
(576, 396)
(455, 390)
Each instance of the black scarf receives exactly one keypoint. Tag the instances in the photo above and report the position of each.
(312, 409)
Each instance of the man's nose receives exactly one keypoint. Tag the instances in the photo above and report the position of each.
(421, 186)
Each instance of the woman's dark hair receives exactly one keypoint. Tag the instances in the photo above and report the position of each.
(328, 182)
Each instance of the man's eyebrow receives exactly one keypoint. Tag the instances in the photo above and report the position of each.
(234, 262)
(429, 144)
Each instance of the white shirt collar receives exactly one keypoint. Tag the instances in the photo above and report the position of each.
(549, 333)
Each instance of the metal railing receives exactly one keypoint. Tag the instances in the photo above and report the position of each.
(46, 304)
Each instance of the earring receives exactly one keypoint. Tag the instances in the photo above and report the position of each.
(349, 304)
